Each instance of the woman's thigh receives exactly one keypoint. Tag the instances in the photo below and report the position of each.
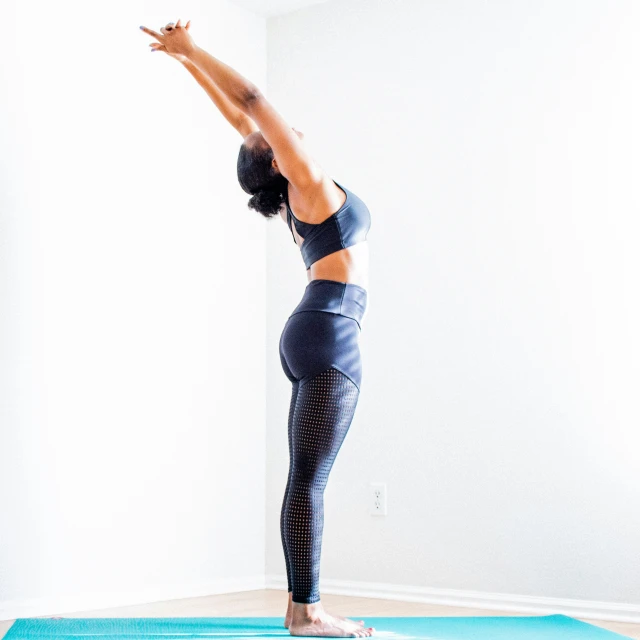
(314, 341)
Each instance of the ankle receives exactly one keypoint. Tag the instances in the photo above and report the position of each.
(303, 611)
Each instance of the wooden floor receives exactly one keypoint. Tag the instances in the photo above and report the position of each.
(273, 602)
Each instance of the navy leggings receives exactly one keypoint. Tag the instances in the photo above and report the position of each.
(320, 355)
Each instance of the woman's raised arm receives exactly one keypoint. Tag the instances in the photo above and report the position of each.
(236, 117)
(176, 42)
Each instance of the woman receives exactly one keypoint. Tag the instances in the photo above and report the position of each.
(319, 347)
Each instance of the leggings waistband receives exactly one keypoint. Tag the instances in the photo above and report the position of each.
(344, 298)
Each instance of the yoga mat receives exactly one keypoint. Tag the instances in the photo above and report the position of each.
(553, 627)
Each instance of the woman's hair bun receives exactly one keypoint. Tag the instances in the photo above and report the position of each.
(266, 202)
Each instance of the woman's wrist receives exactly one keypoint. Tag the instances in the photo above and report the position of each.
(192, 53)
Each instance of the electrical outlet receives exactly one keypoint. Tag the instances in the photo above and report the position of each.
(378, 499)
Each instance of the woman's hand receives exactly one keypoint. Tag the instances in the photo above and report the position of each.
(174, 40)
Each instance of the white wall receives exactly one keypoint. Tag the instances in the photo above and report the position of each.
(132, 285)
(496, 146)
(274, 7)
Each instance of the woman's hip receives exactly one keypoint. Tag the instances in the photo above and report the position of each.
(323, 331)
(341, 298)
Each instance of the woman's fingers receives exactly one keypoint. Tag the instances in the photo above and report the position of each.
(156, 46)
(151, 32)
(166, 30)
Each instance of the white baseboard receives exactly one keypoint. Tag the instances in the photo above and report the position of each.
(588, 609)
(58, 606)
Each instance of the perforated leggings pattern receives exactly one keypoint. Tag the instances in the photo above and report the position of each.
(320, 414)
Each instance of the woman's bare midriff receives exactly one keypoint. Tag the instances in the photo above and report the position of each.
(350, 265)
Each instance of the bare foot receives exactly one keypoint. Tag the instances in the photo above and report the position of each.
(289, 615)
(327, 626)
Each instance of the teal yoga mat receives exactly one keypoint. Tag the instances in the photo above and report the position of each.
(554, 627)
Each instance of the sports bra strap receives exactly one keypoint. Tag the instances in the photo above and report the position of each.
(289, 221)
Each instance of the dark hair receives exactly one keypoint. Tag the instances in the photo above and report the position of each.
(258, 177)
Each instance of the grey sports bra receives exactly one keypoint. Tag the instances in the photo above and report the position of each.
(346, 227)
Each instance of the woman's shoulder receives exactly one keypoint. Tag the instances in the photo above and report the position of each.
(316, 202)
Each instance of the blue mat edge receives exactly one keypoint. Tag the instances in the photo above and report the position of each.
(22, 625)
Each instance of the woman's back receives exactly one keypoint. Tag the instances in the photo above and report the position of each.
(324, 212)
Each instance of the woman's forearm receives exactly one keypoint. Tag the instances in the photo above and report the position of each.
(236, 87)
(233, 114)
